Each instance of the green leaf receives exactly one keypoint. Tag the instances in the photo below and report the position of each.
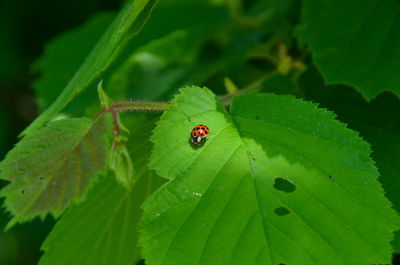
(105, 101)
(62, 57)
(354, 42)
(101, 230)
(396, 242)
(127, 24)
(109, 214)
(375, 122)
(54, 166)
(279, 182)
(122, 166)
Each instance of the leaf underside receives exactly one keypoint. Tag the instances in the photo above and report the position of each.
(54, 166)
(355, 48)
(278, 182)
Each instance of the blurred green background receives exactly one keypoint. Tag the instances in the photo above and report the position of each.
(25, 27)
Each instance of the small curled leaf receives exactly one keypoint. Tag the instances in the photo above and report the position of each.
(121, 164)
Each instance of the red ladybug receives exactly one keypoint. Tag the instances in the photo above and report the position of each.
(199, 134)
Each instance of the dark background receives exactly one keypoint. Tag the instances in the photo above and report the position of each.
(25, 27)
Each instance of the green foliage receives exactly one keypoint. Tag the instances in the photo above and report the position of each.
(54, 166)
(105, 222)
(354, 42)
(221, 205)
(58, 52)
(374, 120)
(105, 229)
(278, 180)
(121, 164)
(127, 24)
(163, 64)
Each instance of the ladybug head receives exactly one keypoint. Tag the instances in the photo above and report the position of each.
(196, 139)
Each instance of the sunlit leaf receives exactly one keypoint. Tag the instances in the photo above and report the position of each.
(277, 182)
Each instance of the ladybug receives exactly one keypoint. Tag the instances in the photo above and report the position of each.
(199, 134)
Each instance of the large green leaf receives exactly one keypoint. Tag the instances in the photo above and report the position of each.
(375, 120)
(109, 214)
(279, 182)
(127, 24)
(54, 166)
(354, 42)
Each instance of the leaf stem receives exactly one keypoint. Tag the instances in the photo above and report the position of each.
(132, 105)
(226, 100)
(129, 105)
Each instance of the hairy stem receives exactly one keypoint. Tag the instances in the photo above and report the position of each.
(129, 105)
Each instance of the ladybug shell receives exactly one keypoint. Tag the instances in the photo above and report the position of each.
(199, 133)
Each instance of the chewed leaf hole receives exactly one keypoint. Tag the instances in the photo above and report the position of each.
(284, 185)
(281, 211)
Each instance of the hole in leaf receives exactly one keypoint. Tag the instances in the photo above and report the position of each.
(331, 178)
(22, 191)
(284, 185)
(281, 211)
